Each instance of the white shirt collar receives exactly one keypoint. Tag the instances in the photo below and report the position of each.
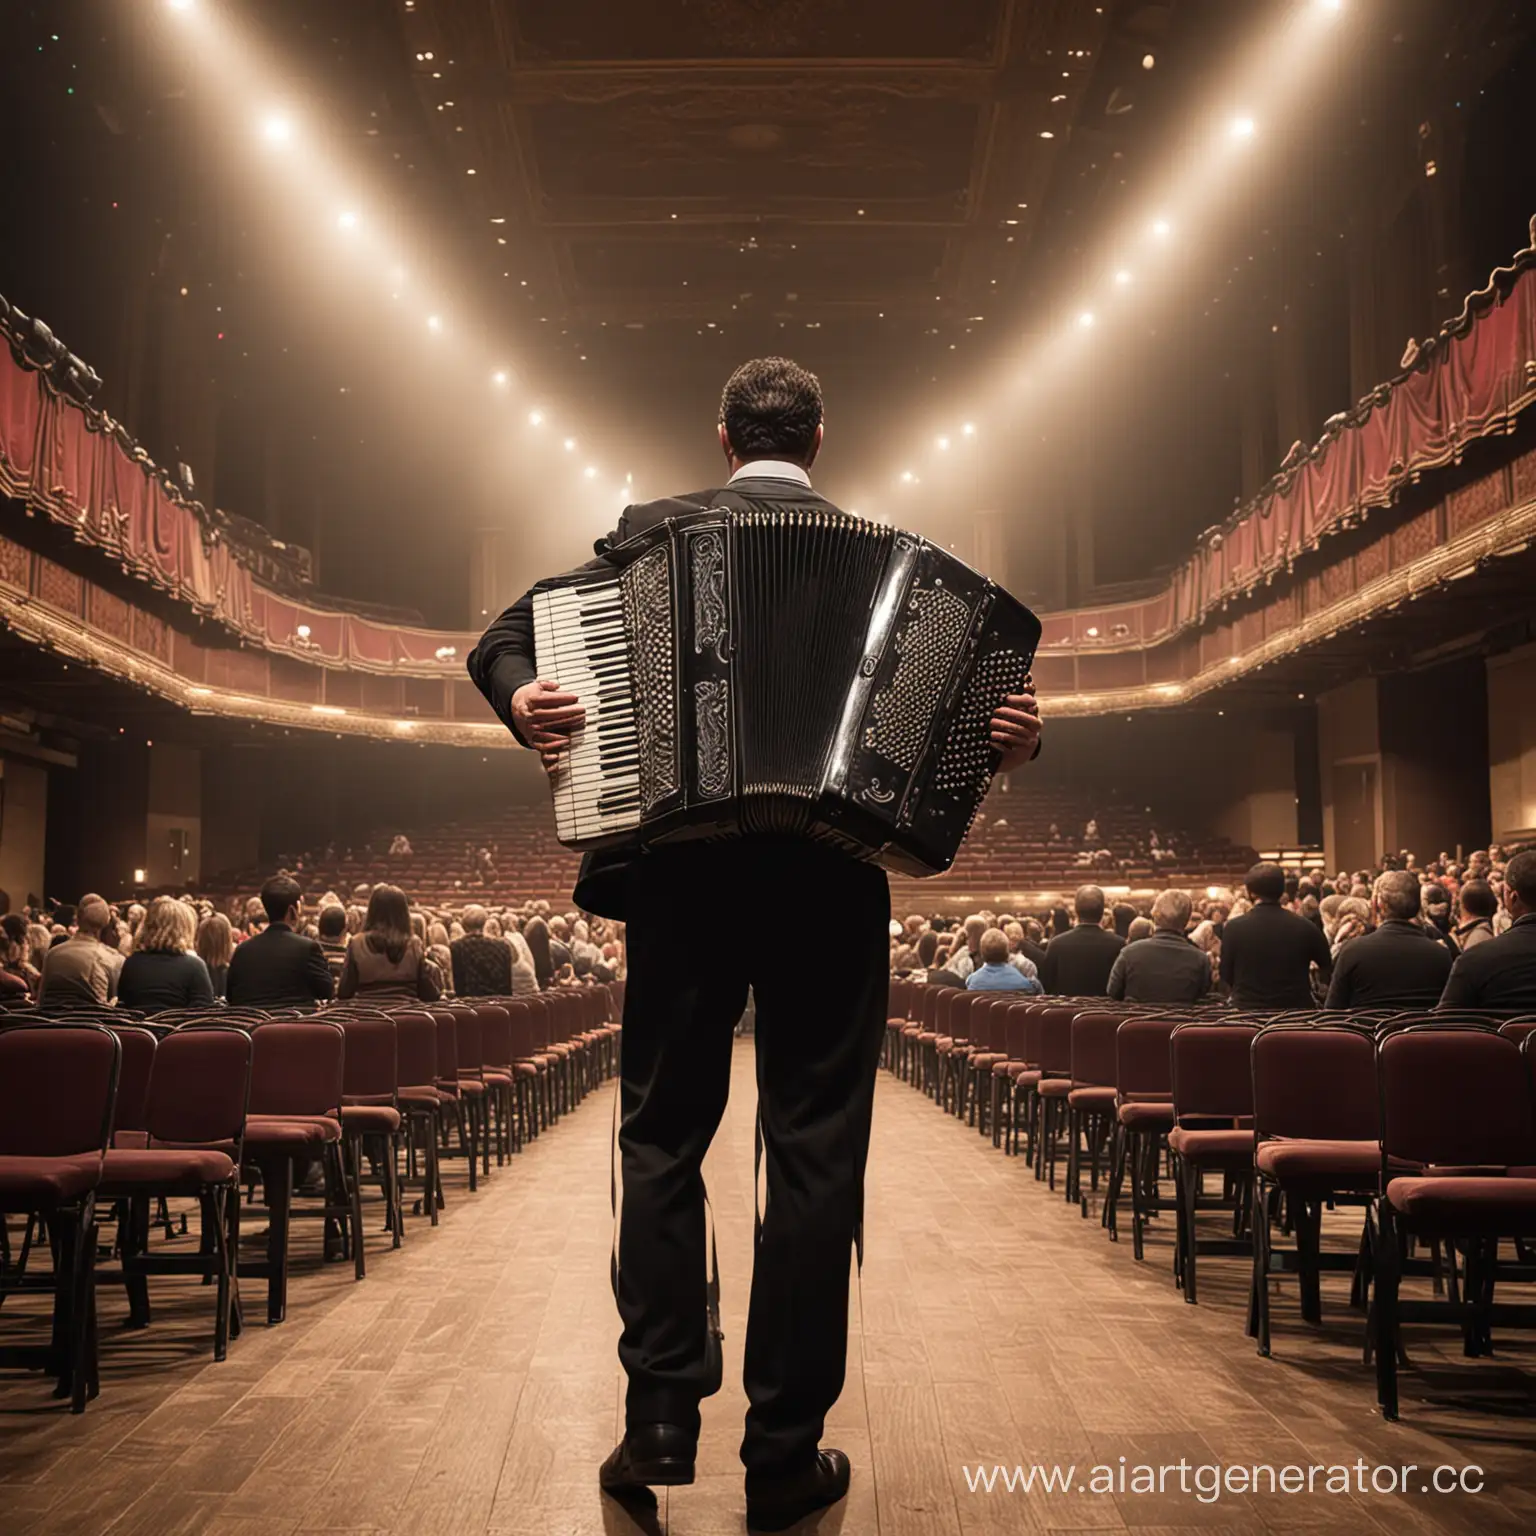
(771, 469)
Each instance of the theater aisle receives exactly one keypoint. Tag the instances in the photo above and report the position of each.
(469, 1384)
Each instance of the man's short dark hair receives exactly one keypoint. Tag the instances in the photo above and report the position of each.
(279, 894)
(333, 921)
(1398, 895)
(1089, 904)
(1266, 882)
(1478, 899)
(1520, 876)
(771, 409)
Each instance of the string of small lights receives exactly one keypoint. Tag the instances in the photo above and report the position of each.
(307, 168)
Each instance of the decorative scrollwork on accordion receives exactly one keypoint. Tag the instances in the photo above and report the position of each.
(648, 594)
(902, 710)
(712, 720)
(966, 761)
(710, 624)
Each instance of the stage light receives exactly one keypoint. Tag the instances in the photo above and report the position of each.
(277, 129)
(302, 631)
(346, 220)
(435, 324)
(1162, 228)
(499, 378)
(969, 429)
(907, 477)
(1148, 61)
(590, 472)
(1333, 6)
(138, 877)
(570, 445)
(179, 5)
(535, 418)
(942, 444)
(1122, 278)
(1085, 320)
(1242, 129)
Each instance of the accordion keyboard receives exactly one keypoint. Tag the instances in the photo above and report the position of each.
(580, 636)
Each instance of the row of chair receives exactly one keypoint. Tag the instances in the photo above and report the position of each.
(1427, 1122)
(100, 1114)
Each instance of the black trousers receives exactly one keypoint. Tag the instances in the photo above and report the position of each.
(704, 922)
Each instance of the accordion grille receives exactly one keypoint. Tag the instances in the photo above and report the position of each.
(809, 581)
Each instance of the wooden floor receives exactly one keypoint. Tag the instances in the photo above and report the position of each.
(469, 1384)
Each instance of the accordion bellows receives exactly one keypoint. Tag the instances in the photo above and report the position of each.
(796, 674)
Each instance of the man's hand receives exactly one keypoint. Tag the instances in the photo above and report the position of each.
(1016, 729)
(547, 718)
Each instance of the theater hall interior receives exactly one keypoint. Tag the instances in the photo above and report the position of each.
(1001, 1000)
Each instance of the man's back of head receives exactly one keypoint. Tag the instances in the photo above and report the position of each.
(332, 922)
(1088, 903)
(1478, 900)
(92, 916)
(994, 947)
(279, 896)
(474, 919)
(771, 408)
(1397, 895)
(1170, 912)
(1520, 880)
(1266, 882)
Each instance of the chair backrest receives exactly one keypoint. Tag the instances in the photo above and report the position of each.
(899, 999)
(1455, 1097)
(932, 997)
(371, 1071)
(495, 1034)
(466, 1023)
(138, 1058)
(447, 1046)
(539, 1011)
(1093, 1048)
(1143, 1060)
(1056, 1039)
(1315, 1081)
(1014, 1018)
(1518, 1029)
(297, 1068)
(1212, 1071)
(520, 1017)
(200, 1087)
(58, 1088)
(415, 1048)
(1034, 1028)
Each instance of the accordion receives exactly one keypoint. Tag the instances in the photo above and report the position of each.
(800, 674)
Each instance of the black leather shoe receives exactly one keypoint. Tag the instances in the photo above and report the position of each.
(775, 1504)
(649, 1456)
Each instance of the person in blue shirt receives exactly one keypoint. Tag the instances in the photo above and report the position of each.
(995, 974)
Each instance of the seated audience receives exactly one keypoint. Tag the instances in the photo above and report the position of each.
(1396, 965)
(1351, 921)
(387, 959)
(1267, 954)
(482, 965)
(332, 928)
(215, 944)
(162, 972)
(995, 974)
(966, 957)
(81, 969)
(1141, 928)
(1500, 973)
(1167, 967)
(1078, 962)
(278, 967)
(1476, 908)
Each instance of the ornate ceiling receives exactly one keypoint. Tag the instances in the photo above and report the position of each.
(790, 160)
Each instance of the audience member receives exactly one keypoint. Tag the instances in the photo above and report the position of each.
(1476, 908)
(1267, 954)
(277, 967)
(81, 969)
(1398, 964)
(1500, 973)
(215, 944)
(482, 965)
(1167, 967)
(387, 959)
(1141, 928)
(536, 931)
(995, 974)
(162, 972)
(1078, 962)
(331, 927)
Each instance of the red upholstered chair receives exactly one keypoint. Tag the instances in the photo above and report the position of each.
(1027, 1078)
(474, 1092)
(1212, 1133)
(1459, 1104)
(527, 1066)
(896, 1011)
(499, 1074)
(1518, 1030)
(989, 1014)
(454, 1109)
(58, 1088)
(1143, 1119)
(1092, 1100)
(138, 1060)
(420, 1103)
(1055, 1084)
(297, 1072)
(194, 1129)
(371, 1122)
(1315, 1120)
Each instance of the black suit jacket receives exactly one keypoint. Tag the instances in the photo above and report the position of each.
(504, 660)
(1078, 962)
(1398, 966)
(1499, 974)
(1164, 967)
(279, 968)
